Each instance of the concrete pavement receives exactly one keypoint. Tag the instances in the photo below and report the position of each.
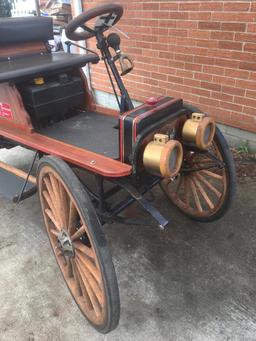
(190, 282)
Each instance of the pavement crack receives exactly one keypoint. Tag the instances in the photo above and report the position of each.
(4, 245)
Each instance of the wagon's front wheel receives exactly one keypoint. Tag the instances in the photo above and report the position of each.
(78, 243)
(205, 187)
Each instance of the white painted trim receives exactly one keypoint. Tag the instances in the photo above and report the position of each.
(78, 9)
(109, 100)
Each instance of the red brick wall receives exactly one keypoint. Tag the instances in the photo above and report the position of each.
(202, 51)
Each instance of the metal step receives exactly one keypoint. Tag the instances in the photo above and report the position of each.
(11, 186)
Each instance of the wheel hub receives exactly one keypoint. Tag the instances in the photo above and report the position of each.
(64, 243)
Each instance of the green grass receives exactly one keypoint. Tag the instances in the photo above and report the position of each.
(243, 148)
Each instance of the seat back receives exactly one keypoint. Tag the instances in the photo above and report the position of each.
(25, 29)
(24, 35)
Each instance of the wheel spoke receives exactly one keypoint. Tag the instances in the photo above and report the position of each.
(211, 174)
(58, 252)
(63, 205)
(79, 233)
(72, 217)
(50, 203)
(196, 197)
(49, 187)
(180, 183)
(77, 287)
(84, 249)
(208, 161)
(85, 295)
(96, 288)
(186, 191)
(53, 199)
(87, 262)
(208, 184)
(69, 268)
(54, 221)
(92, 296)
(55, 187)
(54, 232)
(203, 193)
(82, 288)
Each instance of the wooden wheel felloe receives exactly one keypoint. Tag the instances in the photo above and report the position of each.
(78, 243)
(205, 193)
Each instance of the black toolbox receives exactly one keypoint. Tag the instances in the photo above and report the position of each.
(133, 122)
(54, 99)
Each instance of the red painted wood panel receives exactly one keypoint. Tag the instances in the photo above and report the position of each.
(86, 159)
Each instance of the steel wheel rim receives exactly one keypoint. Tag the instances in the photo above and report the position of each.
(201, 193)
(78, 261)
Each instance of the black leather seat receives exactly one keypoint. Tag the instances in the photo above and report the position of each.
(26, 67)
(23, 30)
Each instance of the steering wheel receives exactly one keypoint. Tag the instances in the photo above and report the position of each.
(108, 15)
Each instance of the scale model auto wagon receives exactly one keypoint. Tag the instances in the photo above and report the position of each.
(46, 106)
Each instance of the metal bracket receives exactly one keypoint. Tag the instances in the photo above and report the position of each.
(21, 195)
(161, 220)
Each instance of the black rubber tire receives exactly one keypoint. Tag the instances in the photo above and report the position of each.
(230, 171)
(88, 212)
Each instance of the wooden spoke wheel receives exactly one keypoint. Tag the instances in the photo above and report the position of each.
(78, 243)
(205, 193)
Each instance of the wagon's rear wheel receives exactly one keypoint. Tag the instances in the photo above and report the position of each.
(78, 243)
(206, 194)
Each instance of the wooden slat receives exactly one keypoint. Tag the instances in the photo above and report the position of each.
(83, 158)
(17, 172)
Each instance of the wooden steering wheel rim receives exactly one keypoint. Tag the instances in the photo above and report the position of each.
(81, 20)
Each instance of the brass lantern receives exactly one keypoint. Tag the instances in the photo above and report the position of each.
(199, 129)
(163, 157)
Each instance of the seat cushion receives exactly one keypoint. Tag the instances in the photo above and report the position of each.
(27, 67)
(23, 30)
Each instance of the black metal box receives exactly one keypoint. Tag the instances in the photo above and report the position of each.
(133, 122)
(53, 99)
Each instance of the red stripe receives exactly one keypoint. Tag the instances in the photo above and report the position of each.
(120, 139)
(147, 113)
(121, 135)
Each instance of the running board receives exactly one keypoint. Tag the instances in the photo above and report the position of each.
(12, 181)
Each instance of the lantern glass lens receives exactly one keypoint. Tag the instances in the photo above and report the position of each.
(173, 158)
(207, 134)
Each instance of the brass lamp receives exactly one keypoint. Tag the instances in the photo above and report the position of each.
(163, 157)
(199, 129)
